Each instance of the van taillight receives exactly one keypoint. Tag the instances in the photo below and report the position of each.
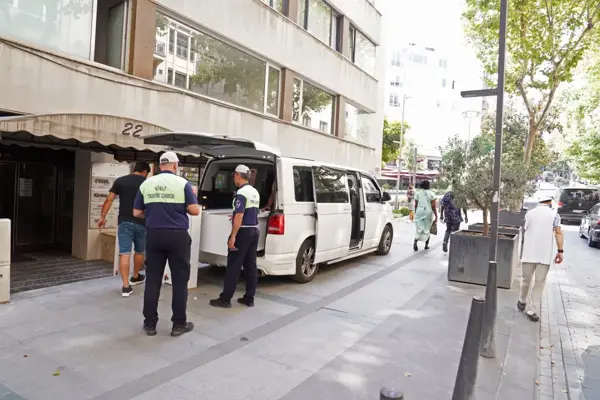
(560, 204)
(276, 224)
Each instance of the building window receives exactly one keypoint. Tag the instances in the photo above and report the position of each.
(312, 104)
(397, 59)
(418, 58)
(394, 100)
(319, 19)
(443, 82)
(216, 69)
(362, 51)
(443, 63)
(324, 126)
(357, 123)
(51, 24)
(397, 82)
(277, 5)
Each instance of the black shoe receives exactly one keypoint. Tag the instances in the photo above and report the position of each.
(520, 306)
(415, 247)
(179, 330)
(133, 281)
(533, 317)
(220, 303)
(427, 245)
(150, 330)
(245, 301)
(126, 291)
(445, 247)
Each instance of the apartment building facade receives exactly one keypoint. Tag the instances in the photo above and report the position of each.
(82, 82)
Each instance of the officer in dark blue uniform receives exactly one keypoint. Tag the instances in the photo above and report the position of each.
(166, 200)
(243, 242)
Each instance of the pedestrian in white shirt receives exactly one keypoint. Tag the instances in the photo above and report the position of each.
(542, 225)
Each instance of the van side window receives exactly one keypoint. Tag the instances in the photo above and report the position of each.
(331, 185)
(303, 184)
(371, 191)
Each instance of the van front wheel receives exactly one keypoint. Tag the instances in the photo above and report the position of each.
(385, 243)
(306, 269)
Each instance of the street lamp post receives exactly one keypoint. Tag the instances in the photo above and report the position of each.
(488, 342)
(397, 206)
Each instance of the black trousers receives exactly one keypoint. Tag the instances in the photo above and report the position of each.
(450, 227)
(246, 243)
(174, 246)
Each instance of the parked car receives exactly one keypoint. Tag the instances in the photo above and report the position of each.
(321, 214)
(572, 203)
(543, 191)
(589, 228)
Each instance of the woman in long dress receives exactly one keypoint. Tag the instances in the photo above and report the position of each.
(425, 215)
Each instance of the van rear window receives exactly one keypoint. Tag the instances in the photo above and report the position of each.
(585, 195)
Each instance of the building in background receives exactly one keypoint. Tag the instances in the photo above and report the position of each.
(84, 80)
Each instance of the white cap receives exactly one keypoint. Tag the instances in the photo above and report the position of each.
(242, 169)
(169, 157)
(545, 199)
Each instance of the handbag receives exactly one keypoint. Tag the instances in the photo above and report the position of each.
(433, 229)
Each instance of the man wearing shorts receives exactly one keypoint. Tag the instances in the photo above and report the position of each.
(131, 231)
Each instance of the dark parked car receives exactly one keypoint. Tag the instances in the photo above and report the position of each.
(590, 226)
(572, 203)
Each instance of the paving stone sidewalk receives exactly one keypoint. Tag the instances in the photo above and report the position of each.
(359, 325)
(569, 353)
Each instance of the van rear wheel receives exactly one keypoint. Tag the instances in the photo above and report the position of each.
(306, 269)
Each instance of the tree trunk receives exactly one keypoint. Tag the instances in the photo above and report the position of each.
(486, 224)
(531, 135)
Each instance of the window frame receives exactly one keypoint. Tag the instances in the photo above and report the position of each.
(333, 15)
(311, 183)
(375, 185)
(277, 107)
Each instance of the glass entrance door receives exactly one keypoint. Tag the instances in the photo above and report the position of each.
(36, 200)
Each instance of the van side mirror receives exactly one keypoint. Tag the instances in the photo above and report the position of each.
(386, 197)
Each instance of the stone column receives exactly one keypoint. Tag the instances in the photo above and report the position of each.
(142, 39)
(286, 95)
(339, 117)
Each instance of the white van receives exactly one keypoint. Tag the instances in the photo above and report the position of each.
(322, 213)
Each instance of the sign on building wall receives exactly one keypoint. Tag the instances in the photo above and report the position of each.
(102, 179)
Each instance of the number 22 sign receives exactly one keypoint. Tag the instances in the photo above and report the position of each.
(133, 130)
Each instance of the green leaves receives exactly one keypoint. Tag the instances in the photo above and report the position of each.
(546, 40)
(391, 134)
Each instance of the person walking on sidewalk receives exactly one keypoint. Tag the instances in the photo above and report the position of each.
(541, 224)
(410, 197)
(166, 200)
(451, 216)
(131, 231)
(425, 215)
(242, 242)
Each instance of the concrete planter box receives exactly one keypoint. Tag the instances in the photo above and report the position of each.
(503, 229)
(469, 258)
(511, 218)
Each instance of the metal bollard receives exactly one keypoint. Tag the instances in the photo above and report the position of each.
(488, 335)
(390, 394)
(464, 386)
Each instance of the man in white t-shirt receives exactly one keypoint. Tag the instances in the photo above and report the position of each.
(542, 227)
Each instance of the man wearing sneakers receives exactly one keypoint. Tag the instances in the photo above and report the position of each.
(541, 225)
(166, 200)
(242, 242)
(131, 231)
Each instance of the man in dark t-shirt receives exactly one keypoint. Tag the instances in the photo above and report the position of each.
(131, 230)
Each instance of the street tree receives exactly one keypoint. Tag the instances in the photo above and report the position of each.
(546, 39)
(392, 131)
(412, 164)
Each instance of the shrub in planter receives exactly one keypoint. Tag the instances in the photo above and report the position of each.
(469, 257)
(404, 211)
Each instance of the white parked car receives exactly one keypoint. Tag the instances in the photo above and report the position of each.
(322, 213)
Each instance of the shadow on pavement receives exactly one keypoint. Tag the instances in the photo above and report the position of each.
(591, 380)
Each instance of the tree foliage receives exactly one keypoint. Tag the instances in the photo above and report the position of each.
(469, 166)
(546, 39)
(392, 131)
(409, 157)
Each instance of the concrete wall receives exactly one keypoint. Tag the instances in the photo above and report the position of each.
(257, 27)
(32, 84)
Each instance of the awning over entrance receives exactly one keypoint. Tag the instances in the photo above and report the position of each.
(123, 137)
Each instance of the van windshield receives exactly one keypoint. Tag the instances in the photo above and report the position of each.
(218, 187)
